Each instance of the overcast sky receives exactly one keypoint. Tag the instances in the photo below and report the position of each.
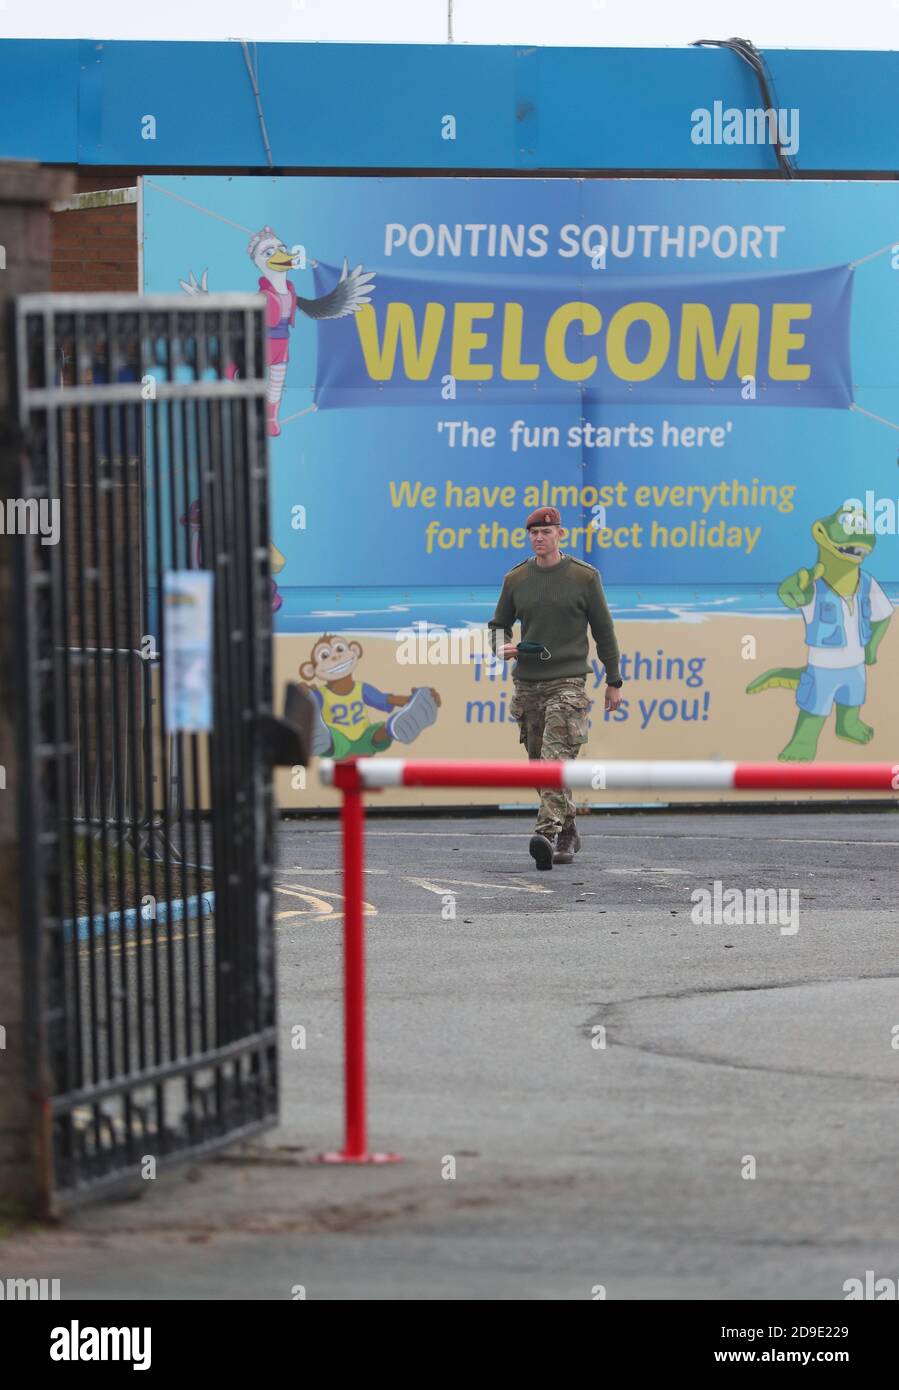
(638, 23)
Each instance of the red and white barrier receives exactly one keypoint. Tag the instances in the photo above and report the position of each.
(355, 776)
(372, 773)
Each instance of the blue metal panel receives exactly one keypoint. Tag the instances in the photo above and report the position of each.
(635, 113)
(39, 100)
(324, 104)
(92, 78)
(383, 106)
(849, 104)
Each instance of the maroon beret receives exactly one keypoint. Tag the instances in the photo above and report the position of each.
(543, 516)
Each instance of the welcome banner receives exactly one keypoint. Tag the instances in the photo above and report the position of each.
(779, 340)
(699, 374)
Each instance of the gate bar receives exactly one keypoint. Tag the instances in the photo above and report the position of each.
(353, 776)
(617, 775)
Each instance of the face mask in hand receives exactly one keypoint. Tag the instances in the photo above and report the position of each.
(534, 649)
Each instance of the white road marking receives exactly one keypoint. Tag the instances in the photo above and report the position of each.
(431, 887)
(653, 869)
(299, 870)
(469, 883)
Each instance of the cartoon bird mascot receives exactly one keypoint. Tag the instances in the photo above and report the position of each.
(272, 258)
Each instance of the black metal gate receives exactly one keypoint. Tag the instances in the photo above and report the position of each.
(148, 849)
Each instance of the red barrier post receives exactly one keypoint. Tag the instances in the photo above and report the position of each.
(352, 818)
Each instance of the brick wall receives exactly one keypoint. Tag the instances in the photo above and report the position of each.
(94, 249)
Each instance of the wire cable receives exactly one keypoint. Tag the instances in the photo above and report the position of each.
(254, 80)
(751, 55)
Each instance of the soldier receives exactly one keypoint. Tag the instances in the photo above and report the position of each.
(555, 598)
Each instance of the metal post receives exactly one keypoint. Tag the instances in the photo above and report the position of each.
(352, 818)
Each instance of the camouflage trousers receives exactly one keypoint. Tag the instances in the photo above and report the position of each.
(552, 723)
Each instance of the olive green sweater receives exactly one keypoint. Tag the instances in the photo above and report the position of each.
(555, 605)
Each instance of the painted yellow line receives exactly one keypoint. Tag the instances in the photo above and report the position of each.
(330, 910)
(319, 907)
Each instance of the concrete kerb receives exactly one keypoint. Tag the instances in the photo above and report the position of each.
(200, 905)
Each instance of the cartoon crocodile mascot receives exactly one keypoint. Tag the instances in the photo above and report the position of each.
(846, 615)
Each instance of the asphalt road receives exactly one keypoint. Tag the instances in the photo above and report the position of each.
(603, 1074)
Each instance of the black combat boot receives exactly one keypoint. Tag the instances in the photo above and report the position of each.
(568, 842)
(541, 850)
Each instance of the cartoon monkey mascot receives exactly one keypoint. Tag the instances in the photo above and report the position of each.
(343, 728)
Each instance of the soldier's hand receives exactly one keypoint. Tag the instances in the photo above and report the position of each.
(508, 651)
(613, 698)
